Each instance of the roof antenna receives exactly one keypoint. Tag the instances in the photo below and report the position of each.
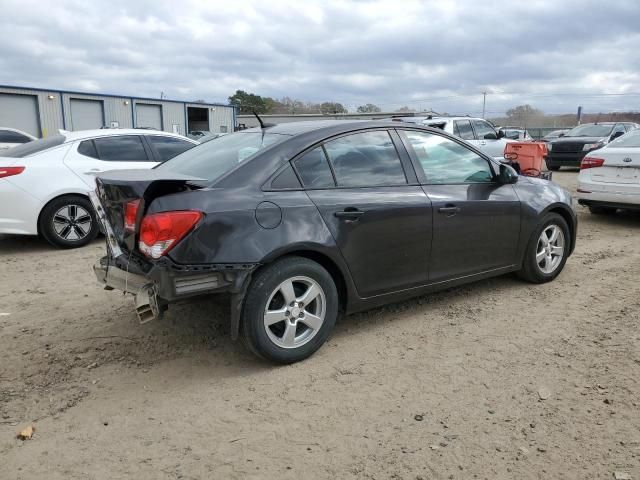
(262, 124)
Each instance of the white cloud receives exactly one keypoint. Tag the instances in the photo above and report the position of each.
(435, 54)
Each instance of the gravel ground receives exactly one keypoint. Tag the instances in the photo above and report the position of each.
(498, 379)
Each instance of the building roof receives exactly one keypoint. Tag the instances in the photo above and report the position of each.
(111, 95)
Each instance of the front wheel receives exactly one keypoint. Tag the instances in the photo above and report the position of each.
(547, 250)
(69, 222)
(290, 310)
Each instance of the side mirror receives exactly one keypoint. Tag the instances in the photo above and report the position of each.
(616, 135)
(500, 134)
(490, 136)
(561, 135)
(507, 174)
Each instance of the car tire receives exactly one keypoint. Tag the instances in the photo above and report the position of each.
(602, 210)
(69, 222)
(541, 263)
(277, 323)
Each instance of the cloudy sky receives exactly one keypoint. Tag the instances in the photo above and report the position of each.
(553, 54)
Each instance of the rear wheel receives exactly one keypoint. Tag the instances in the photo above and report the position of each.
(290, 310)
(69, 222)
(547, 250)
(602, 210)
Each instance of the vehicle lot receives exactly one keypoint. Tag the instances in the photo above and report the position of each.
(444, 386)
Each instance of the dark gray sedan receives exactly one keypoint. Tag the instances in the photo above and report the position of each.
(301, 221)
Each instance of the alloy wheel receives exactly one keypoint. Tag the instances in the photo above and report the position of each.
(72, 223)
(550, 249)
(295, 312)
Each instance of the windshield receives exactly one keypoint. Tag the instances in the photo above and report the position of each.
(30, 148)
(590, 130)
(631, 139)
(213, 159)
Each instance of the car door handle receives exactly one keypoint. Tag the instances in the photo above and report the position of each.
(349, 213)
(449, 210)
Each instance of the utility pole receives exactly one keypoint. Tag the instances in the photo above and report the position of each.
(484, 102)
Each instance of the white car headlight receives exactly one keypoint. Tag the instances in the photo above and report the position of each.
(591, 146)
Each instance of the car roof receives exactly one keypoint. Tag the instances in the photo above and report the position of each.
(108, 132)
(295, 128)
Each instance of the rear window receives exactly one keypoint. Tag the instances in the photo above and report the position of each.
(31, 148)
(213, 159)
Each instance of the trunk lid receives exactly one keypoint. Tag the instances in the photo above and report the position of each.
(621, 165)
(118, 187)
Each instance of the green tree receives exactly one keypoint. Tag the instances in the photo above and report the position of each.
(248, 102)
(369, 108)
(523, 115)
(328, 108)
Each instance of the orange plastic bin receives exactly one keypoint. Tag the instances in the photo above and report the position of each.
(528, 155)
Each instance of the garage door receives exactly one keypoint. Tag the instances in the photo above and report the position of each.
(148, 116)
(86, 114)
(21, 112)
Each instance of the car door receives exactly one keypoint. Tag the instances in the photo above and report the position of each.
(370, 200)
(89, 157)
(476, 219)
(487, 139)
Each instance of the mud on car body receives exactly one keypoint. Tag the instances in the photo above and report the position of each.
(300, 221)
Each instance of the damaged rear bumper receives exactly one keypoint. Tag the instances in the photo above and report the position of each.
(165, 283)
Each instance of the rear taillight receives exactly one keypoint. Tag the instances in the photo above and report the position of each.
(159, 232)
(130, 214)
(10, 171)
(591, 162)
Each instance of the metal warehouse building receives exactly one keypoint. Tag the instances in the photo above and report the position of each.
(43, 112)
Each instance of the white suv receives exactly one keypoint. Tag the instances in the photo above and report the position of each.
(477, 131)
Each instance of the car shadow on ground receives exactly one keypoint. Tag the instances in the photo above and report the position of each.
(621, 218)
(201, 326)
(13, 244)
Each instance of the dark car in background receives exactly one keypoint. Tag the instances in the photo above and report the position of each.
(554, 134)
(571, 148)
(301, 221)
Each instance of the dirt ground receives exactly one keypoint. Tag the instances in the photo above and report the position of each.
(498, 379)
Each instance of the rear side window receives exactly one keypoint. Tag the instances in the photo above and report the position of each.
(366, 159)
(447, 162)
(314, 169)
(463, 129)
(88, 149)
(8, 136)
(483, 128)
(31, 148)
(168, 147)
(123, 148)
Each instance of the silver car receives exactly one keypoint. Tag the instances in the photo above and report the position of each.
(477, 131)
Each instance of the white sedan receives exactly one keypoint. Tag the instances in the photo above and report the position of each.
(12, 137)
(610, 177)
(44, 184)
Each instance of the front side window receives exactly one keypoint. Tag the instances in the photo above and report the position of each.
(483, 128)
(168, 147)
(314, 169)
(447, 162)
(463, 129)
(121, 148)
(366, 159)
